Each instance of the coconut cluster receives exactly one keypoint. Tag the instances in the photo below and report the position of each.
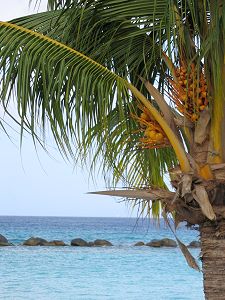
(189, 92)
(154, 136)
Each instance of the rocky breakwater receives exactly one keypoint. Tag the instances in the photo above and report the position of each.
(79, 242)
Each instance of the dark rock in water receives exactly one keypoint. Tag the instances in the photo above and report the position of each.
(162, 243)
(55, 243)
(35, 241)
(91, 244)
(139, 244)
(79, 243)
(154, 243)
(102, 243)
(168, 243)
(194, 244)
(4, 241)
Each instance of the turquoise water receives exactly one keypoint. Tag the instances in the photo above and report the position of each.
(118, 272)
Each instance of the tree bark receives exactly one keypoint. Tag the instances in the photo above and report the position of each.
(213, 259)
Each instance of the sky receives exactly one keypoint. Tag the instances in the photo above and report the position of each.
(34, 184)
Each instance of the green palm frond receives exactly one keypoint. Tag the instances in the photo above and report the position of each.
(128, 36)
(47, 76)
(109, 33)
(57, 84)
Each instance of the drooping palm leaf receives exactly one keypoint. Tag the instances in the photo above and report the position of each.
(55, 83)
(110, 42)
(48, 76)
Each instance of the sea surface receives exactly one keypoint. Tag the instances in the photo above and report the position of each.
(122, 272)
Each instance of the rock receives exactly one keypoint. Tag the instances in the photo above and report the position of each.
(35, 241)
(139, 244)
(162, 243)
(102, 243)
(154, 243)
(194, 244)
(168, 243)
(79, 243)
(55, 243)
(4, 241)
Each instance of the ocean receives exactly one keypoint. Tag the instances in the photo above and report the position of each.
(90, 273)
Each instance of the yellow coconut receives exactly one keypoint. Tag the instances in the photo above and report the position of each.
(159, 136)
(199, 102)
(152, 134)
(194, 117)
(203, 94)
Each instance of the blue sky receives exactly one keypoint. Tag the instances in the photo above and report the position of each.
(38, 185)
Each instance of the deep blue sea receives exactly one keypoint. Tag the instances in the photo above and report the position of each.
(120, 272)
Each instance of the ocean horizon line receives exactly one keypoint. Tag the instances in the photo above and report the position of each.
(105, 217)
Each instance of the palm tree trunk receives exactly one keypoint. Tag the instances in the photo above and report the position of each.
(213, 259)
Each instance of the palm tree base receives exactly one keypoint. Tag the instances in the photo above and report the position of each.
(213, 258)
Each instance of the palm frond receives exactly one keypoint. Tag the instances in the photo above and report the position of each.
(57, 84)
(47, 76)
(111, 33)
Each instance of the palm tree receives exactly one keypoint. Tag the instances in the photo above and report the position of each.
(138, 86)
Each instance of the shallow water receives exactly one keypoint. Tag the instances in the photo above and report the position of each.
(118, 272)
